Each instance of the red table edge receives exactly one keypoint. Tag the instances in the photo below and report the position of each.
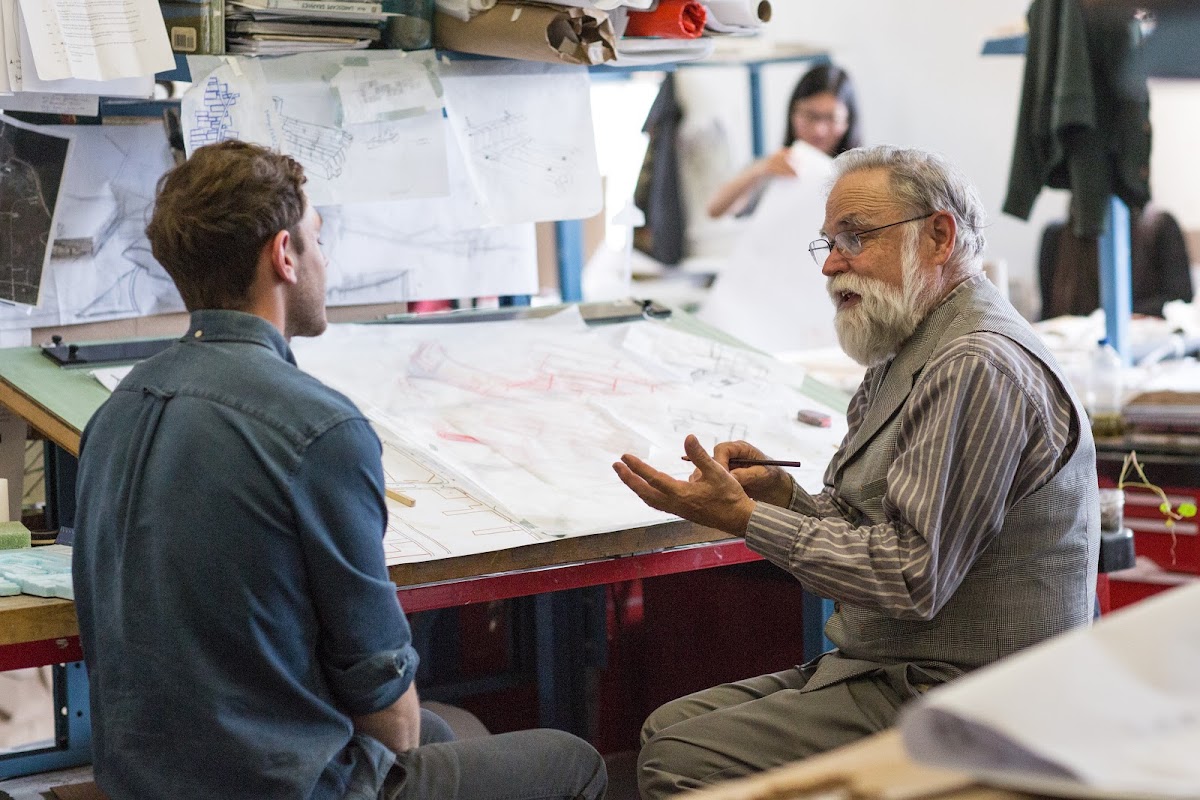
(467, 591)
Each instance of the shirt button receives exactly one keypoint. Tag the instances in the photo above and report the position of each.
(198, 334)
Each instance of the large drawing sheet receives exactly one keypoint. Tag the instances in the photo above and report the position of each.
(531, 414)
(32, 165)
(1107, 711)
(109, 272)
(366, 126)
(525, 129)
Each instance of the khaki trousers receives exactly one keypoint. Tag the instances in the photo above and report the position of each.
(741, 728)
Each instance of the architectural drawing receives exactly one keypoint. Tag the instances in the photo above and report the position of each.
(110, 177)
(509, 143)
(532, 413)
(213, 120)
(526, 137)
(414, 250)
(447, 519)
(321, 149)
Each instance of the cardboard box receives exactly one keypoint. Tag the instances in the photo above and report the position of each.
(195, 28)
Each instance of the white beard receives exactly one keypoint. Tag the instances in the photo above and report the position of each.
(873, 331)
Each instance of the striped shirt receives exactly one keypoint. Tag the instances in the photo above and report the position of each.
(985, 425)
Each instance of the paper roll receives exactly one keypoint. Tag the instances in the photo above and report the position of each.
(530, 32)
(672, 19)
(744, 13)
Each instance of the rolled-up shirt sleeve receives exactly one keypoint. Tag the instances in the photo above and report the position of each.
(365, 644)
(973, 439)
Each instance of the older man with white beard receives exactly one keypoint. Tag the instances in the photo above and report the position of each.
(959, 519)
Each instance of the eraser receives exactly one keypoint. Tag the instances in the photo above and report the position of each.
(814, 418)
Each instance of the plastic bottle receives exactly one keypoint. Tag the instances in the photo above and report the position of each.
(1106, 391)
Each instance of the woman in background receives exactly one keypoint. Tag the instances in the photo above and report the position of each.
(822, 113)
(760, 296)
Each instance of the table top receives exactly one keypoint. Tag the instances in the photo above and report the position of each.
(57, 401)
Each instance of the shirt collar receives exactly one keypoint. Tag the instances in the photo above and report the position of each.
(220, 325)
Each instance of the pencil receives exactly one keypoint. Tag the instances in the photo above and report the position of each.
(400, 498)
(739, 463)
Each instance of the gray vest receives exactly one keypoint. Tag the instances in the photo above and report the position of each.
(1037, 578)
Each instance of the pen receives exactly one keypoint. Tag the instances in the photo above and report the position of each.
(400, 498)
(739, 463)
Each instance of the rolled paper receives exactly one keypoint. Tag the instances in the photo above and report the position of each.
(672, 19)
(552, 34)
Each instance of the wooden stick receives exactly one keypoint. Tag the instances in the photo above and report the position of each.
(400, 498)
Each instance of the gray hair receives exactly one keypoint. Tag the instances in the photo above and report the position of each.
(925, 182)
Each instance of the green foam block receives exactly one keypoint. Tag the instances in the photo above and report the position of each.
(14, 536)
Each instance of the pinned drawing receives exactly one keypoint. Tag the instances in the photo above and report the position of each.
(101, 266)
(212, 121)
(320, 148)
(32, 165)
(367, 127)
(526, 137)
(508, 143)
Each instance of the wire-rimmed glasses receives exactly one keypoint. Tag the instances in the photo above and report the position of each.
(850, 242)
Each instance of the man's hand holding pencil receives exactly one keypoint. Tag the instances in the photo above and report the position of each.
(713, 495)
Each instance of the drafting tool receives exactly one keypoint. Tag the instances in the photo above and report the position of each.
(400, 498)
(741, 463)
(95, 355)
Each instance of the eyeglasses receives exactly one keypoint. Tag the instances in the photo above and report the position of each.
(850, 242)
(832, 120)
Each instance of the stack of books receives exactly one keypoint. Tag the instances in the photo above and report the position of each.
(278, 27)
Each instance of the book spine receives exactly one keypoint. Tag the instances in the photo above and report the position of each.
(345, 6)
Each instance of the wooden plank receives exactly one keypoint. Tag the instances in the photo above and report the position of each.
(24, 618)
(570, 550)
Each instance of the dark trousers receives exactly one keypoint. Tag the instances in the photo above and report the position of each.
(526, 765)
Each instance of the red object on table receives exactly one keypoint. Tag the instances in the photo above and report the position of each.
(672, 19)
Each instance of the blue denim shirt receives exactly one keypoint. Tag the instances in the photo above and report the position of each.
(233, 602)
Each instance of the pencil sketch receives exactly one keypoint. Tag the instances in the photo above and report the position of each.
(213, 119)
(446, 519)
(508, 142)
(413, 250)
(320, 148)
(531, 414)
